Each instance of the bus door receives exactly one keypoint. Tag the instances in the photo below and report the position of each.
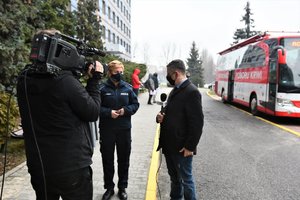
(230, 85)
(272, 83)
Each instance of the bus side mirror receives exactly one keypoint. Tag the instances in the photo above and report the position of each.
(281, 56)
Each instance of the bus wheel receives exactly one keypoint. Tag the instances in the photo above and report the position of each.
(253, 105)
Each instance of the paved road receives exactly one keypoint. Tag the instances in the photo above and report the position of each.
(242, 157)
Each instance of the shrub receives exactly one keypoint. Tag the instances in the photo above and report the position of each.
(14, 115)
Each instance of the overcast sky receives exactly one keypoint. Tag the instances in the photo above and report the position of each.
(158, 25)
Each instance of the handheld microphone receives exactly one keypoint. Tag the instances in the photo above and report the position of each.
(163, 97)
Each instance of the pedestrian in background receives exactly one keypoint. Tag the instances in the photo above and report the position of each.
(136, 83)
(156, 85)
(55, 111)
(118, 103)
(149, 84)
(181, 128)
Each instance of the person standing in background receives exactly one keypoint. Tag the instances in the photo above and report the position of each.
(136, 83)
(181, 128)
(118, 104)
(156, 85)
(149, 84)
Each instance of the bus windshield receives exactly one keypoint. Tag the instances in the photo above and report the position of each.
(289, 78)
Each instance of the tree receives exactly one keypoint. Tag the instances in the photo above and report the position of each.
(14, 36)
(244, 33)
(169, 50)
(208, 66)
(19, 20)
(88, 24)
(195, 67)
(54, 14)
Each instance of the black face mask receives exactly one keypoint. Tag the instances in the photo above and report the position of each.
(116, 77)
(171, 81)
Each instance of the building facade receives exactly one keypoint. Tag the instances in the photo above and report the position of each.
(116, 26)
(115, 18)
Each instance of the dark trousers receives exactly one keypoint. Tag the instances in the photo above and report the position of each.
(149, 98)
(75, 185)
(109, 140)
(136, 91)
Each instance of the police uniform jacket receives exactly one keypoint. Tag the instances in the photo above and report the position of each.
(114, 98)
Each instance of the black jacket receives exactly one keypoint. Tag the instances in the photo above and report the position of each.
(115, 98)
(183, 121)
(60, 109)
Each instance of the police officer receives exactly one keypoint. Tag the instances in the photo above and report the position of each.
(119, 103)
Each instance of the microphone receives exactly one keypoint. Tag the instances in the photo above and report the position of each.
(163, 98)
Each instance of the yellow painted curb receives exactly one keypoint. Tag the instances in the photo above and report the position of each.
(151, 184)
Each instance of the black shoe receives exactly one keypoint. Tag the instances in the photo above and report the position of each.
(122, 194)
(149, 103)
(108, 194)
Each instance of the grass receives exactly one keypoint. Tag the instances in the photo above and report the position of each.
(15, 154)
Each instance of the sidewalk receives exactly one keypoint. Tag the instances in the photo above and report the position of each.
(17, 182)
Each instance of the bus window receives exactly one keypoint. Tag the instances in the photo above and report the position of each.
(290, 77)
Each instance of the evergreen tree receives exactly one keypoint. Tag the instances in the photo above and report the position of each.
(244, 33)
(19, 20)
(15, 32)
(54, 14)
(195, 67)
(88, 25)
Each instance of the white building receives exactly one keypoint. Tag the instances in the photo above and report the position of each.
(115, 18)
(116, 26)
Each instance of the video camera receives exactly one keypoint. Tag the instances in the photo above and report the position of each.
(53, 53)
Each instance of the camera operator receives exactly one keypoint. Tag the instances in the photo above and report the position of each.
(55, 111)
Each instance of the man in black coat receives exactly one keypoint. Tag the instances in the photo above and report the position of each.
(181, 128)
(55, 111)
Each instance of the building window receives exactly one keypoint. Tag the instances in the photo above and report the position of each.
(118, 40)
(114, 38)
(118, 21)
(109, 36)
(121, 25)
(103, 32)
(114, 17)
(121, 6)
(103, 8)
(109, 14)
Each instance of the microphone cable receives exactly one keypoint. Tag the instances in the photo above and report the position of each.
(6, 140)
(34, 135)
(157, 183)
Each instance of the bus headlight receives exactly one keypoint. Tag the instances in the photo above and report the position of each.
(284, 102)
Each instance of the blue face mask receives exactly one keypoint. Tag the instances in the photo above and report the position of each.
(116, 77)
